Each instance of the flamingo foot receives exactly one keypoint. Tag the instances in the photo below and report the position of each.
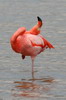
(23, 57)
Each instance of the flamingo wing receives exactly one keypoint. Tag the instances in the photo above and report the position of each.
(41, 42)
(32, 45)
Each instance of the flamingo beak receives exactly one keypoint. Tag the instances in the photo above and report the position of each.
(39, 21)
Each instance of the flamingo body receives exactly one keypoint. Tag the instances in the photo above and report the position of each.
(30, 45)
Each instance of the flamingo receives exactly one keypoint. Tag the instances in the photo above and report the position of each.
(30, 43)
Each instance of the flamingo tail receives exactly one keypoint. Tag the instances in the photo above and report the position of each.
(49, 45)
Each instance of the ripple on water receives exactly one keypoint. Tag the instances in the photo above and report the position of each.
(32, 87)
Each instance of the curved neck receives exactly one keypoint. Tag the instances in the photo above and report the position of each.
(36, 29)
(20, 31)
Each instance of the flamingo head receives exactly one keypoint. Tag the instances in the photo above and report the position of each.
(39, 21)
(36, 29)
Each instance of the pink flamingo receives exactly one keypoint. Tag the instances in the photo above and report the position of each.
(30, 43)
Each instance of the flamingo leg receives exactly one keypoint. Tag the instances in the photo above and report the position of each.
(33, 66)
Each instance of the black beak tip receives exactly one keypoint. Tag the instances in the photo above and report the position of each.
(39, 19)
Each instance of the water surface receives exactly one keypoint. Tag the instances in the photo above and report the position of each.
(16, 81)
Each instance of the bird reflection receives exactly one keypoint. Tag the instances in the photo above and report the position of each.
(32, 87)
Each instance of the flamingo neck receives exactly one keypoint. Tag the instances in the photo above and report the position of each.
(36, 29)
(13, 40)
(19, 32)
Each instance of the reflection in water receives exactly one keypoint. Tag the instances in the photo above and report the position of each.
(32, 87)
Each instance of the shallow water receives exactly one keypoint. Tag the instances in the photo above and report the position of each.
(16, 81)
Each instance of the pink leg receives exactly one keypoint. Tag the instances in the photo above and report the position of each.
(33, 66)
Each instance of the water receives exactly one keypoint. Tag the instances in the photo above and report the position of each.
(50, 66)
